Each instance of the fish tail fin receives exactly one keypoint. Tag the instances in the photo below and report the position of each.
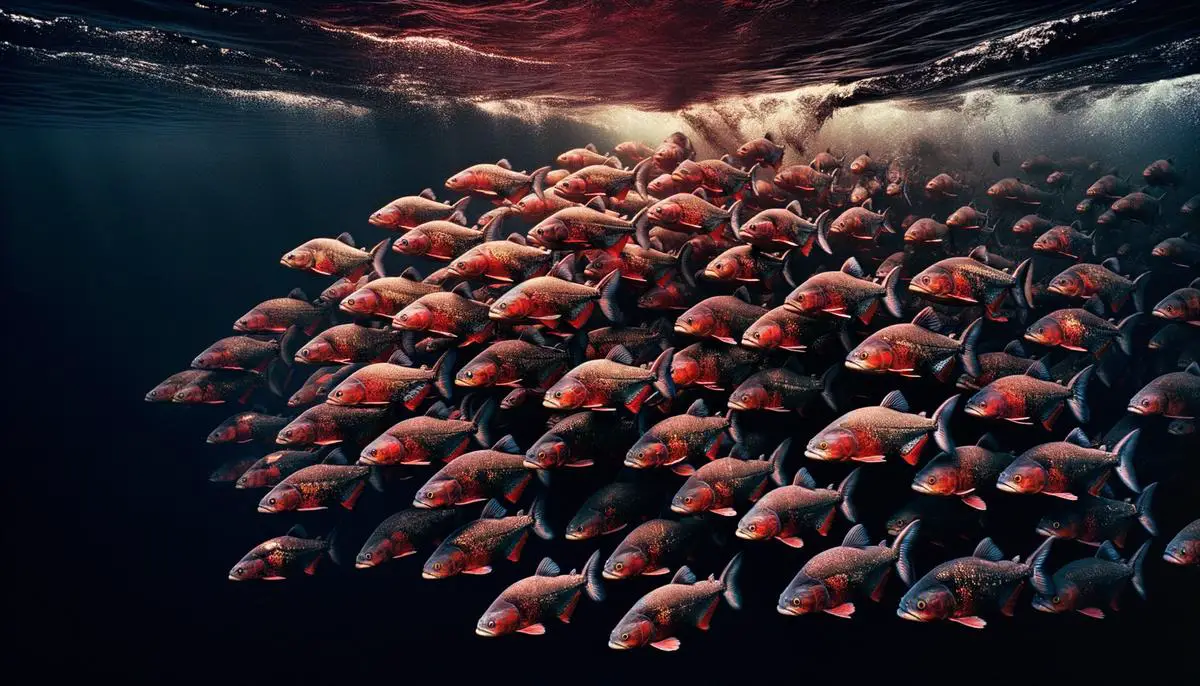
(902, 547)
(377, 258)
(1039, 577)
(375, 478)
(777, 458)
(608, 288)
(969, 354)
(1139, 291)
(663, 383)
(941, 423)
(494, 229)
(278, 376)
(538, 182)
(1021, 291)
(1125, 450)
(641, 228)
(1077, 401)
(735, 215)
(1143, 506)
(729, 582)
(592, 577)
(823, 223)
(1125, 332)
(846, 490)
(641, 176)
(827, 378)
(460, 205)
(540, 526)
(483, 422)
(687, 269)
(1137, 562)
(333, 549)
(289, 344)
(443, 373)
(891, 293)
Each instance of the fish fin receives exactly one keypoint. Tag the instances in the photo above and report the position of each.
(968, 353)
(866, 310)
(592, 574)
(1037, 369)
(827, 523)
(972, 622)
(895, 400)
(891, 294)
(1050, 414)
(345, 237)
(1125, 332)
(1015, 348)
(1079, 438)
(1093, 612)
(705, 619)
(352, 494)
(540, 526)
(1078, 398)
(533, 630)
(698, 408)
(803, 478)
(1107, 551)
(928, 319)
(659, 571)
(777, 458)
(514, 551)
(880, 584)
(443, 373)
(791, 541)
(1039, 577)
(730, 589)
(845, 610)
(974, 501)
(298, 294)
(988, 550)
(857, 537)
(547, 567)
(663, 383)
(507, 444)
(1125, 450)
(297, 531)
(683, 469)
(620, 354)
(564, 615)
(684, 575)
(478, 571)
(852, 267)
(846, 490)
(670, 644)
(903, 546)
(724, 511)
(1063, 494)
(1136, 562)
(869, 459)
(941, 421)
(494, 510)
(911, 451)
(1010, 603)
(1143, 509)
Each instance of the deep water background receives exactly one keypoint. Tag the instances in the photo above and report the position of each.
(128, 247)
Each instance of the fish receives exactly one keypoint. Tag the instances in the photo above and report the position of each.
(717, 177)
(524, 361)
(272, 468)
(1104, 281)
(246, 353)
(441, 240)
(784, 329)
(603, 181)
(475, 546)
(872, 434)
(219, 386)
(510, 260)
(1109, 186)
(277, 315)
(825, 162)
(1095, 519)
(406, 533)
(277, 558)
(638, 340)
(604, 384)
(968, 218)
(944, 521)
(318, 487)
(551, 299)
(348, 343)
(1032, 225)
(783, 513)
(674, 149)
(231, 471)
(674, 440)
(1079, 330)
(498, 181)
(531, 208)
(1039, 165)
(915, 348)
(996, 157)
(653, 547)
(859, 223)
(963, 471)
(635, 263)
(1012, 360)
(654, 619)
(926, 231)
(1138, 206)
(713, 365)
(245, 427)
(763, 150)
(832, 579)
(326, 424)
(1179, 251)
(433, 437)
(578, 158)
(721, 317)
(726, 483)
(967, 281)
(775, 228)
(1175, 395)
(689, 213)
(166, 389)
(1184, 549)
(961, 589)
(945, 186)
(1085, 585)
(779, 389)
(1162, 173)
(632, 152)
(385, 296)
(496, 472)
(673, 295)
(1065, 241)
(846, 293)
(1022, 398)
(612, 508)
(318, 384)
(1070, 467)
(1181, 305)
(525, 605)
(1010, 191)
(454, 314)
(583, 227)
(395, 381)
(333, 257)
(413, 210)
(581, 440)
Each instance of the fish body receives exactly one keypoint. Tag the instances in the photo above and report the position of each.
(476, 476)
(715, 176)
(577, 158)
(963, 471)
(242, 353)
(550, 298)
(405, 533)
(384, 383)
(675, 439)
(348, 343)
(612, 381)
(582, 227)
(1071, 467)
(513, 363)
(872, 434)
(1184, 549)
(654, 547)
(1175, 395)
(1079, 330)
(1084, 281)
(498, 181)
(428, 439)
(845, 294)
(526, 604)
(727, 483)
(317, 487)
(713, 365)
(1012, 360)
(656, 617)
(1181, 305)
(216, 387)
(326, 424)
(438, 240)
(778, 389)
(1094, 519)
(270, 469)
(967, 281)
(784, 329)
(385, 296)
(597, 180)
(1087, 585)
(332, 257)
(413, 210)
(580, 440)
(244, 427)
(916, 348)
(277, 558)
(450, 315)
(475, 546)
(612, 508)
(777, 229)
(279, 314)
(166, 389)
(1032, 396)
(506, 261)
(785, 512)
(1066, 241)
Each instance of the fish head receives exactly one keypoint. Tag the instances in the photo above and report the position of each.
(698, 321)
(1108, 217)
(387, 217)
(647, 453)
(445, 562)
(761, 225)
(571, 159)
(514, 304)
(464, 181)
(190, 393)
(163, 392)
(415, 317)
(804, 596)
(362, 301)
(215, 356)
(939, 477)
(665, 212)
(438, 493)
(688, 172)
(626, 562)
(1181, 427)
(252, 566)
(1064, 598)
(1183, 551)
(600, 265)
(1069, 284)
(685, 369)
(233, 430)
(806, 299)
(723, 268)
(1024, 475)
(762, 334)
(550, 231)
(260, 475)
(352, 391)
(662, 185)
(987, 403)
(501, 618)
(1054, 240)
(337, 290)
(859, 195)
(1059, 524)
(872, 355)
(894, 190)
(1166, 248)
(412, 243)
(902, 518)
(568, 394)
(1150, 400)
(256, 320)
(919, 232)
(386, 449)
(860, 164)
(319, 349)
(751, 395)
(1124, 204)
(668, 156)
(759, 524)
(634, 631)
(1046, 331)
(299, 258)
(549, 451)
(927, 603)
(380, 549)
(573, 186)
(587, 523)
(478, 373)
(659, 298)
(834, 444)
(282, 498)
(936, 281)
(1170, 307)
(301, 431)
(552, 177)
(695, 496)
(470, 264)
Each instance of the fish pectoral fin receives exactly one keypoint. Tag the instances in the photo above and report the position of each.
(1093, 612)
(656, 572)
(1064, 495)
(791, 541)
(724, 511)
(533, 630)
(478, 571)
(668, 645)
(580, 463)
(565, 613)
(974, 501)
(845, 610)
(870, 459)
(973, 622)
(683, 469)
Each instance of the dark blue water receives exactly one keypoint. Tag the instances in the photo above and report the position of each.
(156, 158)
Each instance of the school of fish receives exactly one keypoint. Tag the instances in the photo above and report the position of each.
(675, 332)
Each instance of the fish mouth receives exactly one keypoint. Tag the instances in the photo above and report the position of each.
(1056, 290)
(1168, 556)
(265, 509)
(736, 405)
(1046, 532)
(423, 506)
(427, 575)
(363, 565)
(617, 646)
(572, 537)
(679, 509)
(1006, 487)
(973, 411)
(917, 288)
(486, 633)
(234, 578)
(1035, 338)
(610, 576)
(1159, 312)
(922, 488)
(743, 534)
(909, 615)
(859, 366)
(1136, 409)
(813, 454)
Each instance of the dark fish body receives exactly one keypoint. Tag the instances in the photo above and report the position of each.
(1091, 583)
(533, 209)
(523, 606)
(405, 533)
(474, 477)
(1094, 519)
(967, 281)
(676, 439)
(165, 391)
(785, 512)
(1175, 395)
(1137, 206)
(447, 314)
(762, 150)
(844, 294)
(654, 619)
(722, 317)
(1179, 251)
(726, 483)
(241, 353)
(513, 363)
(778, 229)
(1029, 396)
(961, 589)
(596, 180)
(943, 520)
(384, 383)
(715, 176)
(1182, 305)
(713, 365)
(580, 440)
(926, 231)
(504, 261)
(270, 469)
(637, 339)
(325, 424)
(475, 546)
(962, 473)
(422, 440)
(332, 257)
(776, 389)
(318, 384)
(386, 296)
(581, 227)
(231, 471)
(859, 223)
(1069, 468)
(802, 178)
(635, 262)
(872, 434)
(1008, 362)
(1032, 225)
(1184, 549)
(413, 210)
(1079, 330)
(673, 295)
(438, 240)
(1066, 241)
(743, 264)
(688, 213)
(347, 343)
(1109, 186)
(608, 383)
(280, 557)
(215, 387)
(316, 487)
(784, 329)
(913, 349)
(612, 508)
(1084, 281)
(550, 299)
(244, 427)
(653, 548)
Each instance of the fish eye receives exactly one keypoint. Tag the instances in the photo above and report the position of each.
(270, 501)
(756, 335)
(462, 265)
(437, 566)
(1017, 479)
(558, 394)
(925, 279)
(688, 320)
(862, 355)
(469, 374)
(625, 636)
(238, 571)
(823, 445)
(796, 602)
(1056, 600)
(404, 242)
(1056, 525)
(368, 556)
(619, 566)
(752, 527)
(745, 397)
(687, 500)
(930, 480)
(503, 306)
(921, 604)
(541, 454)
(491, 624)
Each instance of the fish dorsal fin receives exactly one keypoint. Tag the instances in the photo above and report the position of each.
(803, 478)
(346, 238)
(1112, 264)
(743, 294)
(401, 359)
(1038, 371)
(503, 163)
(895, 400)
(857, 537)
(1015, 348)
(853, 268)
(988, 550)
(769, 136)
(493, 510)
(1079, 438)
(684, 576)
(532, 336)
(620, 354)
(596, 203)
(411, 273)
(700, 193)
(427, 194)
(438, 410)
(590, 147)
(297, 531)
(979, 254)
(869, 205)
(298, 294)
(507, 444)
(547, 567)
(928, 319)
(516, 238)
(564, 269)
(988, 442)
(1193, 369)
(1106, 551)
(463, 290)
(698, 408)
